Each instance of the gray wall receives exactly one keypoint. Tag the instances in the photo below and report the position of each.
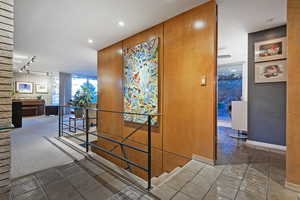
(65, 88)
(267, 101)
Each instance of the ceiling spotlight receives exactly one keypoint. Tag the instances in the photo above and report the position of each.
(121, 23)
(90, 41)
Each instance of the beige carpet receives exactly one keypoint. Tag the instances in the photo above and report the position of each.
(31, 152)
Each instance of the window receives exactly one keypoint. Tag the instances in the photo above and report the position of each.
(90, 82)
(94, 83)
(230, 86)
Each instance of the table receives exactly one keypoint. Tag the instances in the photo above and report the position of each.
(74, 128)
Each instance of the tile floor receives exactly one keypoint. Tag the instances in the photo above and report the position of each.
(242, 173)
(76, 181)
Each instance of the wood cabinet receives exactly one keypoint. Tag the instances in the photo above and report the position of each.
(32, 107)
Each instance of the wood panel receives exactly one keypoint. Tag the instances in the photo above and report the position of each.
(189, 108)
(110, 89)
(187, 125)
(293, 116)
(141, 136)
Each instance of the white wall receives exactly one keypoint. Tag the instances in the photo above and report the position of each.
(37, 79)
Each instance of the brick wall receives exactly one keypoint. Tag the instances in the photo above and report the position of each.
(6, 54)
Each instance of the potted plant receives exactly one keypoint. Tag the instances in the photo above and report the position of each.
(82, 99)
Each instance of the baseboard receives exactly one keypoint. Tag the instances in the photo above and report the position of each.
(293, 187)
(266, 146)
(203, 159)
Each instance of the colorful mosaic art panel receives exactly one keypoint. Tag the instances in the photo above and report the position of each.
(141, 81)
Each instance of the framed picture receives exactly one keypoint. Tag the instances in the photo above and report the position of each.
(24, 87)
(270, 50)
(41, 88)
(274, 71)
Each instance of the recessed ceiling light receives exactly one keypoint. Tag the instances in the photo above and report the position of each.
(121, 23)
(90, 41)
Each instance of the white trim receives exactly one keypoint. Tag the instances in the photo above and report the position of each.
(294, 187)
(266, 146)
(203, 159)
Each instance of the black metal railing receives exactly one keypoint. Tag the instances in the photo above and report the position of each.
(65, 112)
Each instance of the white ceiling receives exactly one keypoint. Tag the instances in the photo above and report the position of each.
(57, 31)
(237, 18)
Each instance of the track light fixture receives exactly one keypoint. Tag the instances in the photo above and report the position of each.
(27, 65)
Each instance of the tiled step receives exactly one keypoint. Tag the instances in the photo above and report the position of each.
(158, 180)
(78, 153)
(67, 149)
(166, 176)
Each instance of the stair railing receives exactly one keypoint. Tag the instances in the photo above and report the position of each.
(86, 123)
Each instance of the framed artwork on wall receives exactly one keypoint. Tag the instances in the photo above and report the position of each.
(270, 50)
(274, 71)
(41, 88)
(141, 81)
(24, 87)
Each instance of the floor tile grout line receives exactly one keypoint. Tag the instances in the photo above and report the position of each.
(64, 178)
(75, 189)
(268, 181)
(41, 187)
(38, 187)
(212, 185)
(236, 195)
(178, 191)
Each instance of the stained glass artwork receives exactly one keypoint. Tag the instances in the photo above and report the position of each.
(141, 81)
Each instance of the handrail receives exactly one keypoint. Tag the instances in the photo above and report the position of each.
(119, 143)
(62, 131)
(111, 111)
(129, 135)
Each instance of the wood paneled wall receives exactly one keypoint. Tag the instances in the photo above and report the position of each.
(189, 109)
(187, 125)
(6, 74)
(293, 115)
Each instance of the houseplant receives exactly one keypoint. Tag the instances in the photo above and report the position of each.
(82, 99)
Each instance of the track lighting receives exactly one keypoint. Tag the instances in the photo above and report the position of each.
(27, 65)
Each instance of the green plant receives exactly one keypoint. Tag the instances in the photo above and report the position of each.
(39, 97)
(82, 98)
(92, 89)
